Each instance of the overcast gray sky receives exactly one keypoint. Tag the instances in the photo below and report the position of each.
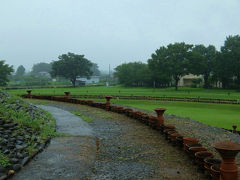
(109, 31)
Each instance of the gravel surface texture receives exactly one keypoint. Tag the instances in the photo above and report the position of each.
(68, 158)
(128, 149)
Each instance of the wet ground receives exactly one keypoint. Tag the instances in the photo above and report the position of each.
(111, 147)
(69, 158)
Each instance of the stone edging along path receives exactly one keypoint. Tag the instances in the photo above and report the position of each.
(168, 130)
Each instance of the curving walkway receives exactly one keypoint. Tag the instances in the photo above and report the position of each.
(66, 157)
(112, 146)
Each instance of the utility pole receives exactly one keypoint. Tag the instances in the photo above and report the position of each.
(109, 72)
(108, 81)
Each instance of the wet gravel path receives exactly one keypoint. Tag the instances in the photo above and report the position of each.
(127, 149)
(123, 148)
(68, 158)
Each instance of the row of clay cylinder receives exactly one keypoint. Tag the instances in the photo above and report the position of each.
(225, 169)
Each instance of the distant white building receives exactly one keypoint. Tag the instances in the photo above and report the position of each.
(187, 79)
(44, 74)
(84, 80)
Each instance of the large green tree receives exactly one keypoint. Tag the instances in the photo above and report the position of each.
(132, 74)
(159, 70)
(202, 61)
(178, 60)
(70, 66)
(231, 53)
(223, 70)
(5, 71)
(95, 70)
(20, 71)
(41, 67)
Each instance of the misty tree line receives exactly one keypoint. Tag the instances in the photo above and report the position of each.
(169, 63)
(66, 69)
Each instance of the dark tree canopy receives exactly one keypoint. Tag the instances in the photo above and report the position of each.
(41, 67)
(95, 70)
(159, 71)
(231, 53)
(5, 71)
(20, 71)
(132, 74)
(178, 60)
(202, 62)
(170, 62)
(223, 70)
(70, 66)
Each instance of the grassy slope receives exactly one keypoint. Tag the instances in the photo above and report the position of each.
(118, 90)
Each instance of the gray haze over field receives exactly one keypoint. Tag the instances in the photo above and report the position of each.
(109, 31)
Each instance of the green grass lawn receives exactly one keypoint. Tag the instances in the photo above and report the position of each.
(123, 91)
(219, 115)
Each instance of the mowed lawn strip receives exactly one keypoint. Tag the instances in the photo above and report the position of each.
(219, 115)
(140, 91)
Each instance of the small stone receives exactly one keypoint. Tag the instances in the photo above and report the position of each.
(14, 160)
(10, 146)
(4, 141)
(8, 125)
(25, 161)
(20, 138)
(20, 156)
(12, 139)
(25, 145)
(7, 131)
(27, 137)
(19, 147)
(18, 142)
(16, 167)
(6, 151)
(25, 154)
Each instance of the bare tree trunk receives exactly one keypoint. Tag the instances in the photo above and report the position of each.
(73, 82)
(176, 81)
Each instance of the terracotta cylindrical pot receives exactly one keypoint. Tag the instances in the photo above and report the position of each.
(145, 119)
(67, 95)
(228, 151)
(179, 141)
(89, 102)
(200, 156)
(234, 128)
(152, 122)
(29, 93)
(103, 105)
(188, 140)
(168, 133)
(160, 116)
(215, 171)
(161, 129)
(120, 109)
(108, 100)
(193, 150)
(169, 126)
(192, 145)
(173, 137)
(208, 162)
(127, 111)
